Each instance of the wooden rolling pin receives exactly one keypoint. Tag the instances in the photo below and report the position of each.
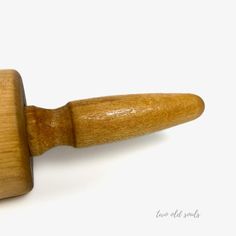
(27, 131)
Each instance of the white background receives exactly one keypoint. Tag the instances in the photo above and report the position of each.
(68, 50)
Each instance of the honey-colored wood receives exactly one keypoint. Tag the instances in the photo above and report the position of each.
(107, 119)
(48, 128)
(27, 131)
(15, 161)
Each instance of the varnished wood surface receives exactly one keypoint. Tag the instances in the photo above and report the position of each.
(107, 119)
(48, 128)
(27, 131)
(15, 162)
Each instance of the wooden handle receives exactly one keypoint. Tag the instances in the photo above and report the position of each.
(30, 131)
(107, 119)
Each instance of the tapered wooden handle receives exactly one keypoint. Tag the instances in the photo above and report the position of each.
(107, 119)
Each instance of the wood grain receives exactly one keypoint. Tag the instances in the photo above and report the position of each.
(27, 131)
(107, 119)
(15, 162)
